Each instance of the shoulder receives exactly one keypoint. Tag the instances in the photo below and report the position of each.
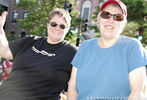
(35, 38)
(129, 41)
(126, 39)
(69, 45)
(131, 44)
(88, 43)
(25, 40)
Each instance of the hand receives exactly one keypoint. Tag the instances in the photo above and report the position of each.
(135, 96)
(3, 19)
(63, 96)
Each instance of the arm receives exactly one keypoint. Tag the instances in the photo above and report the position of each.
(137, 80)
(4, 47)
(72, 92)
(145, 88)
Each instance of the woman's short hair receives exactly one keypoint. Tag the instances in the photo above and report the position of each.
(61, 12)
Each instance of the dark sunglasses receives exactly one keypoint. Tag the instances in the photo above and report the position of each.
(54, 24)
(116, 17)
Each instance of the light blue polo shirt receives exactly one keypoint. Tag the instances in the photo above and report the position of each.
(103, 72)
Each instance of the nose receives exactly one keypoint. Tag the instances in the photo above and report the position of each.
(111, 19)
(57, 27)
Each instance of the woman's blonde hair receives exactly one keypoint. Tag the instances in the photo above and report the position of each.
(61, 12)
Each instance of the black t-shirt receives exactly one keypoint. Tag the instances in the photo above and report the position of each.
(41, 70)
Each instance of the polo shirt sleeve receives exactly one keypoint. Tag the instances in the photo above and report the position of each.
(136, 56)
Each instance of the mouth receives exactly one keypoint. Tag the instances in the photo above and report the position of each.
(56, 31)
(109, 27)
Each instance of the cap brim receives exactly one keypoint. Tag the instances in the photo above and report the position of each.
(112, 2)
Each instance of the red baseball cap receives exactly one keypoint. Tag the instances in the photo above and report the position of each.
(117, 2)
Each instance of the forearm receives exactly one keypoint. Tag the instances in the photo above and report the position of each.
(137, 81)
(72, 94)
(3, 39)
(3, 44)
(135, 95)
(4, 48)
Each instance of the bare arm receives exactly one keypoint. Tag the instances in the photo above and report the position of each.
(4, 48)
(72, 92)
(137, 80)
(145, 88)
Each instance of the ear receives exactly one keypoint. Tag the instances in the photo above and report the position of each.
(98, 18)
(124, 23)
(47, 25)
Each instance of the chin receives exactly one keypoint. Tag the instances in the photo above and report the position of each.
(110, 36)
(58, 40)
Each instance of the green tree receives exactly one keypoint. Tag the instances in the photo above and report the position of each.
(35, 22)
(1, 9)
(137, 10)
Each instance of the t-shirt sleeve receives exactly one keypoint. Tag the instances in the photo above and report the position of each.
(16, 45)
(136, 55)
(75, 61)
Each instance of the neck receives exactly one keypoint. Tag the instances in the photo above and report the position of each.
(53, 42)
(107, 42)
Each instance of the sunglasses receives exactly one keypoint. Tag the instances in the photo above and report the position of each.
(54, 24)
(116, 17)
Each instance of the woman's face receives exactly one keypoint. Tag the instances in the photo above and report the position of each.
(111, 28)
(57, 29)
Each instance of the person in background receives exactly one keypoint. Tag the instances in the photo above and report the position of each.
(0, 70)
(42, 66)
(111, 67)
(0, 60)
(6, 69)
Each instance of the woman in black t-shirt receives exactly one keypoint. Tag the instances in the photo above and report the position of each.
(42, 65)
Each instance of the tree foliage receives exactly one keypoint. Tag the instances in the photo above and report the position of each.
(35, 22)
(137, 10)
(1, 9)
